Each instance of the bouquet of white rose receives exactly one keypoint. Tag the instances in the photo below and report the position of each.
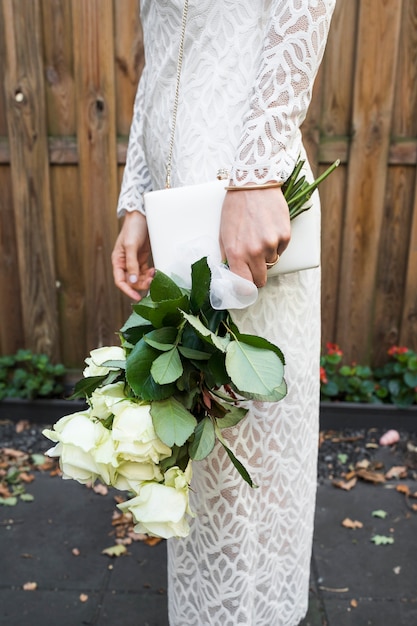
(161, 399)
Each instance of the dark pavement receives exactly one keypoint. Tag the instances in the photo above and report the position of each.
(354, 581)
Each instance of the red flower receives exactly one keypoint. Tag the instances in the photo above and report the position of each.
(333, 348)
(323, 376)
(397, 350)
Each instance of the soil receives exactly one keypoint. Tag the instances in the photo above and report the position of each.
(339, 450)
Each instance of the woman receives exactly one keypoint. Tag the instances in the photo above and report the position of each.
(246, 83)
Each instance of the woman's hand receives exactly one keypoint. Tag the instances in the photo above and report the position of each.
(130, 256)
(255, 228)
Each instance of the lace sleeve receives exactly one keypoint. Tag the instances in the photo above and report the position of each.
(136, 178)
(296, 34)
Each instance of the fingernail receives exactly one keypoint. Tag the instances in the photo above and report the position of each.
(133, 278)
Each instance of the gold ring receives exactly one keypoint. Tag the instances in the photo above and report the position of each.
(269, 265)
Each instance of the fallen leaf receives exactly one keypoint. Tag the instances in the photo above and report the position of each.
(403, 489)
(371, 446)
(379, 513)
(27, 497)
(345, 485)
(396, 472)
(11, 501)
(371, 476)
(30, 586)
(397, 569)
(354, 603)
(114, 551)
(22, 425)
(83, 597)
(382, 540)
(26, 478)
(75, 552)
(334, 590)
(4, 492)
(14, 454)
(364, 464)
(414, 507)
(39, 459)
(100, 489)
(342, 458)
(353, 524)
(152, 541)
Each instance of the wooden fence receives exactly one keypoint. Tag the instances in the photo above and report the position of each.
(68, 76)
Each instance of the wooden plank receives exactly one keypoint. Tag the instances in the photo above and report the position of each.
(25, 108)
(367, 171)
(11, 327)
(95, 96)
(406, 121)
(58, 59)
(335, 115)
(69, 264)
(129, 59)
(331, 194)
(408, 334)
(392, 262)
(395, 255)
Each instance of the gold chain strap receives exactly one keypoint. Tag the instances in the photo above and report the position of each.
(177, 93)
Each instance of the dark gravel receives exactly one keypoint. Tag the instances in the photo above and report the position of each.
(339, 450)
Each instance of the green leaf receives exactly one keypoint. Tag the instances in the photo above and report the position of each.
(217, 370)
(200, 284)
(167, 368)
(379, 513)
(258, 342)
(27, 497)
(11, 501)
(195, 355)
(204, 440)
(134, 328)
(234, 415)
(121, 365)
(410, 379)
(86, 386)
(164, 288)
(342, 458)
(254, 372)
(207, 335)
(382, 540)
(162, 339)
(138, 373)
(164, 313)
(114, 551)
(172, 422)
(38, 459)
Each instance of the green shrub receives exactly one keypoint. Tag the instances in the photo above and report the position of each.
(29, 375)
(393, 383)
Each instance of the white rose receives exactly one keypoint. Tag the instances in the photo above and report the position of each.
(104, 398)
(101, 355)
(134, 434)
(131, 475)
(85, 448)
(161, 510)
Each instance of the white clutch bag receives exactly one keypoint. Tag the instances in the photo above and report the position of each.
(184, 224)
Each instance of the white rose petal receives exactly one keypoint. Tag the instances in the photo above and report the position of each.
(134, 434)
(101, 355)
(159, 511)
(85, 447)
(104, 398)
(130, 476)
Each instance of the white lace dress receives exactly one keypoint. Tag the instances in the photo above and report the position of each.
(248, 71)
